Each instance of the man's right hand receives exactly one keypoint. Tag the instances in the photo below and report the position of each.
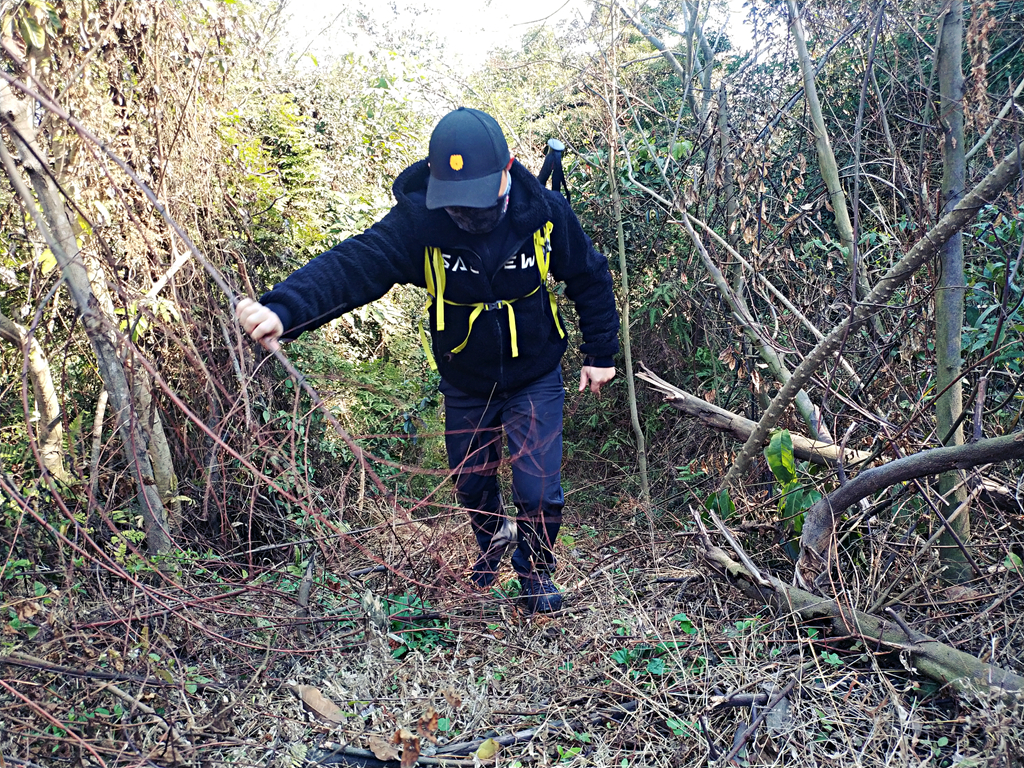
(259, 322)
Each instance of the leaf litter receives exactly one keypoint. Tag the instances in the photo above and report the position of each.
(654, 661)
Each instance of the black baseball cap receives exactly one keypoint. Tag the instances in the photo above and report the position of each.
(468, 152)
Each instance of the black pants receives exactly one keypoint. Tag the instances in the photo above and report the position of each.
(531, 420)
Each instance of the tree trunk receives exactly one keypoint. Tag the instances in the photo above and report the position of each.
(729, 188)
(827, 159)
(50, 435)
(949, 294)
(159, 449)
(56, 228)
(641, 443)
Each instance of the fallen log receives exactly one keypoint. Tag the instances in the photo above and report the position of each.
(818, 536)
(995, 492)
(804, 448)
(937, 661)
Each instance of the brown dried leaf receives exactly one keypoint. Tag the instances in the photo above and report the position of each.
(319, 705)
(381, 749)
(453, 699)
(28, 609)
(165, 753)
(959, 594)
(427, 725)
(410, 746)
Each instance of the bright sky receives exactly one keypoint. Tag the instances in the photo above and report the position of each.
(472, 29)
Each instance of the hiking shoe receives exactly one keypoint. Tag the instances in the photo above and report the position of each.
(540, 592)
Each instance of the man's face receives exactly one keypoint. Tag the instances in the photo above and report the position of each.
(479, 221)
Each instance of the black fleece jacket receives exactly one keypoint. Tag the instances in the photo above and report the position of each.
(363, 268)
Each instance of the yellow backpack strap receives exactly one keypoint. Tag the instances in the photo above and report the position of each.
(542, 249)
(512, 330)
(427, 271)
(439, 280)
(429, 258)
(426, 348)
(477, 309)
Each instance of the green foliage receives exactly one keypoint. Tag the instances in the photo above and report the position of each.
(780, 457)
(796, 497)
(994, 304)
(685, 625)
(276, 178)
(1013, 562)
(403, 611)
(683, 728)
(720, 503)
(647, 662)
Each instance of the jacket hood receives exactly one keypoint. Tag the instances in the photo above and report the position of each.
(529, 206)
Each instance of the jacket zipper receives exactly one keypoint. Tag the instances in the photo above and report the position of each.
(500, 383)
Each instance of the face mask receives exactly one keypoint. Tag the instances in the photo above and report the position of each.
(478, 221)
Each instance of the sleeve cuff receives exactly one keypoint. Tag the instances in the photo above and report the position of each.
(599, 362)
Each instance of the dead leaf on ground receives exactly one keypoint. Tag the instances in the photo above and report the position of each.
(959, 594)
(410, 746)
(381, 749)
(427, 725)
(28, 609)
(319, 705)
(453, 699)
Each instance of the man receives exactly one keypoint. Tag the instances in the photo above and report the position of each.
(480, 233)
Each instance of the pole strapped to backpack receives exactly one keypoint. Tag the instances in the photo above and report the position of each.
(553, 168)
(433, 267)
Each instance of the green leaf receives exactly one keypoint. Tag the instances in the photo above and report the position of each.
(721, 504)
(681, 148)
(681, 727)
(39, 588)
(622, 656)
(656, 667)
(32, 32)
(780, 456)
(685, 624)
(793, 504)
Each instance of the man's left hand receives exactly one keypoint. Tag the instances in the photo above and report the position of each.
(595, 378)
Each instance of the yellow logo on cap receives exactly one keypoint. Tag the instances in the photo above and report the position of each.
(455, 161)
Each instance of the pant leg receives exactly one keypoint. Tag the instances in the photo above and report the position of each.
(473, 442)
(532, 419)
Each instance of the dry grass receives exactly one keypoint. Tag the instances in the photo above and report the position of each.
(654, 661)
